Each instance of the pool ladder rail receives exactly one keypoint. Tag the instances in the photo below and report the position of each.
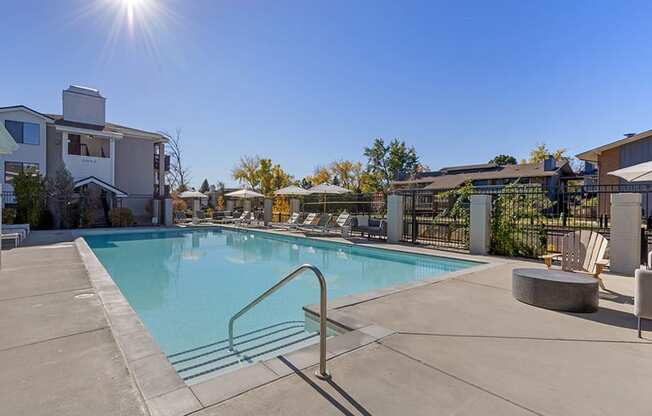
(322, 372)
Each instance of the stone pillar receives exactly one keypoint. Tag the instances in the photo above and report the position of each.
(267, 210)
(480, 227)
(625, 242)
(195, 208)
(156, 211)
(167, 212)
(229, 204)
(395, 207)
(295, 205)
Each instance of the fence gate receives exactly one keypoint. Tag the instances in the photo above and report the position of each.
(438, 219)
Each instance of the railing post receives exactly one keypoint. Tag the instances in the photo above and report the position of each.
(480, 233)
(395, 207)
(414, 217)
(625, 244)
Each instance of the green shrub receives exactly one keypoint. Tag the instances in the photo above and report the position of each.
(121, 217)
(29, 188)
(8, 216)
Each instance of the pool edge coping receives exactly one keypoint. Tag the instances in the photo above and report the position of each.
(159, 385)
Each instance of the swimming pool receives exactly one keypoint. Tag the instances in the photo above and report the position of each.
(186, 284)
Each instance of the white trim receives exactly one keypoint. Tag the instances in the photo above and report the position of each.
(27, 110)
(118, 193)
(77, 130)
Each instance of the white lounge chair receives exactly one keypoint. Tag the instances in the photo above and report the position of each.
(582, 251)
(321, 222)
(335, 229)
(310, 219)
(294, 218)
(15, 237)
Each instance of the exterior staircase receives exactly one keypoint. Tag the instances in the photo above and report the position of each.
(216, 358)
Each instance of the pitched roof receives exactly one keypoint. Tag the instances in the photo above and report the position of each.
(592, 154)
(523, 170)
(26, 108)
(108, 127)
(92, 179)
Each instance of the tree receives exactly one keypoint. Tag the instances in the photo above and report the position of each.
(321, 175)
(348, 173)
(265, 177)
(503, 160)
(204, 186)
(280, 178)
(29, 189)
(179, 174)
(541, 153)
(246, 171)
(391, 162)
(60, 190)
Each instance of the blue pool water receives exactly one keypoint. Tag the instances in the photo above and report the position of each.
(185, 285)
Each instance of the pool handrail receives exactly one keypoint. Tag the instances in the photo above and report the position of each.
(322, 372)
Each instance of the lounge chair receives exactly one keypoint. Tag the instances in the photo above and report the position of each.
(320, 222)
(233, 220)
(293, 220)
(180, 218)
(15, 237)
(581, 251)
(311, 219)
(246, 218)
(331, 229)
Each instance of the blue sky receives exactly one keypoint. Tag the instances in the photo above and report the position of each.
(307, 82)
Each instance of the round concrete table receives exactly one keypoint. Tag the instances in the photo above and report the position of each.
(555, 289)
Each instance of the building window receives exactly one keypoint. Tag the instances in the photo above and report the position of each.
(12, 169)
(27, 133)
(86, 145)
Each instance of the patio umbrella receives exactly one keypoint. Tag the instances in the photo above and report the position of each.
(191, 195)
(328, 189)
(292, 190)
(637, 173)
(195, 196)
(245, 194)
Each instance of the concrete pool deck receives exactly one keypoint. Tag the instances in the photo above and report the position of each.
(460, 346)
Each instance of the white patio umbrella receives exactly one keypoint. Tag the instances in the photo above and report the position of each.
(637, 173)
(245, 194)
(328, 189)
(192, 195)
(195, 196)
(292, 190)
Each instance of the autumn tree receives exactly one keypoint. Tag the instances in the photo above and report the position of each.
(541, 153)
(246, 171)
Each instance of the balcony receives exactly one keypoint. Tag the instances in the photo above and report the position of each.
(166, 191)
(166, 162)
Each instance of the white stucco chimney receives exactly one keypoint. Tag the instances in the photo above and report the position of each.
(84, 105)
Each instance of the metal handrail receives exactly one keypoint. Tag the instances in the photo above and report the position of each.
(322, 373)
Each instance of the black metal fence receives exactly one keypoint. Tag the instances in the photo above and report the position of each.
(439, 219)
(371, 204)
(527, 220)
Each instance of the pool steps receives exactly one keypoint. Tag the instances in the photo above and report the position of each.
(216, 358)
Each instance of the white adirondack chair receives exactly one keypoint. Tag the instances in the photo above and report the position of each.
(582, 251)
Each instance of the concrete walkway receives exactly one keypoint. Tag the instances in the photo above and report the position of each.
(465, 347)
(462, 346)
(57, 354)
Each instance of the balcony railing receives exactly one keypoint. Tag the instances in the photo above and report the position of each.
(166, 162)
